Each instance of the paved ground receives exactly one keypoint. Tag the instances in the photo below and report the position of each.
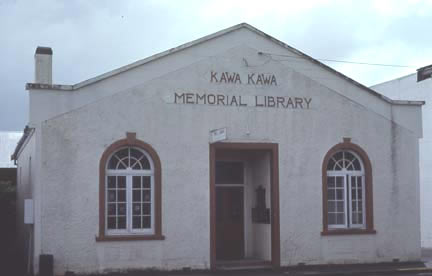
(272, 273)
(427, 257)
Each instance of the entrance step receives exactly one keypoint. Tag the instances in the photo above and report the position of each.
(243, 264)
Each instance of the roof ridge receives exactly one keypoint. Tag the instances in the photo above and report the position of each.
(193, 43)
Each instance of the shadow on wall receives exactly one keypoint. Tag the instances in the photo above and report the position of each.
(8, 254)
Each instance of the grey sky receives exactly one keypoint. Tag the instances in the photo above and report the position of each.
(91, 37)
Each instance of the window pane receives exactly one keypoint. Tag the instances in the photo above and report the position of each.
(339, 194)
(357, 165)
(330, 165)
(349, 166)
(136, 164)
(340, 206)
(136, 222)
(349, 156)
(121, 209)
(354, 193)
(146, 195)
(136, 181)
(136, 154)
(111, 223)
(340, 218)
(339, 181)
(111, 182)
(331, 218)
(338, 156)
(111, 209)
(121, 165)
(331, 193)
(121, 195)
(111, 196)
(360, 218)
(136, 195)
(229, 172)
(146, 222)
(146, 208)
(121, 182)
(145, 163)
(112, 164)
(121, 222)
(138, 160)
(354, 206)
(136, 208)
(123, 155)
(146, 182)
(331, 206)
(339, 166)
(354, 218)
(330, 181)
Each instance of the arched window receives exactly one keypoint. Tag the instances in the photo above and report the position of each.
(347, 190)
(129, 201)
(130, 198)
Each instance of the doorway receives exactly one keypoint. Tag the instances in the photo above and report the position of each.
(229, 210)
(244, 227)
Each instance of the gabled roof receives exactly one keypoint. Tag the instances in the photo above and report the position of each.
(138, 63)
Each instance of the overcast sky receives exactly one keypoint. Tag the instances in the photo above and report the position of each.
(92, 37)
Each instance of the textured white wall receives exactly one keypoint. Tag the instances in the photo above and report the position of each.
(45, 104)
(261, 232)
(409, 89)
(73, 143)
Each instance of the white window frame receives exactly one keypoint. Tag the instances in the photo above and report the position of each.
(129, 173)
(347, 174)
(345, 225)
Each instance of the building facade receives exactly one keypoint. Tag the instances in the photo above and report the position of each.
(418, 86)
(215, 153)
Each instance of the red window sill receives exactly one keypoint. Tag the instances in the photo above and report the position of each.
(130, 238)
(334, 232)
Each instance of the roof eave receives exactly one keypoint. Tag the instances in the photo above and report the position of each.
(28, 132)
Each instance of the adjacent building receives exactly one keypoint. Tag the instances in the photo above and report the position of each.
(8, 174)
(413, 87)
(8, 143)
(233, 149)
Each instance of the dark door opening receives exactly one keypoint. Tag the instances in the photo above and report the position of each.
(229, 223)
(229, 210)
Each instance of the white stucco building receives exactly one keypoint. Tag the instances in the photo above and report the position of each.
(219, 152)
(418, 86)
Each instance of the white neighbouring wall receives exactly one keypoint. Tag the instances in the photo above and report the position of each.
(408, 88)
(74, 127)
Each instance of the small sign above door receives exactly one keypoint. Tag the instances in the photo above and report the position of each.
(217, 135)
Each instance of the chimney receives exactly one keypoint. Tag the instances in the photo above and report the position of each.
(43, 65)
